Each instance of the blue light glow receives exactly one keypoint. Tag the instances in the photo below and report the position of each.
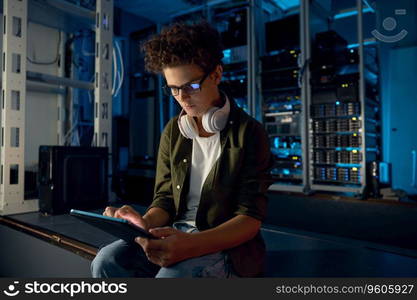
(347, 148)
(356, 45)
(227, 53)
(276, 142)
(351, 13)
(286, 4)
(348, 165)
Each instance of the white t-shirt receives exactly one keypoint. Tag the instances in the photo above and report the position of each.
(205, 152)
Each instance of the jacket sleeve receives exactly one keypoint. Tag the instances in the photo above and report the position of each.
(163, 197)
(255, 177)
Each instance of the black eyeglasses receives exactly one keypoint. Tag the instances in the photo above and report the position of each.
(188, 88)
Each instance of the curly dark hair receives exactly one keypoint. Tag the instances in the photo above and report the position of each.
(181, 44)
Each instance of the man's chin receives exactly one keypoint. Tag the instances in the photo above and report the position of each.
(192, 111)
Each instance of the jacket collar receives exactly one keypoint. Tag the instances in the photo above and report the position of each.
(231, 121)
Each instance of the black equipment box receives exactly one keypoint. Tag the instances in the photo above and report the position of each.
(236, 33)
(280, 79)
(72, 177)
(330, 48)
(283, 33)
(340, 88)
(284, 59)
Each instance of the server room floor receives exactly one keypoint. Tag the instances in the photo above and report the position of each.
(291, 252)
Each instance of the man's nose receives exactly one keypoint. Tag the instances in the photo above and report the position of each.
(183, 95)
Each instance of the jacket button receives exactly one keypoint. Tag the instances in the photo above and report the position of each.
(184, 160)
(178, 187)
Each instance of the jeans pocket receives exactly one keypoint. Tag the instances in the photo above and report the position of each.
(216, 270)
(220, 269)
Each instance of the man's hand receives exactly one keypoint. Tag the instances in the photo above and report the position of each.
(172, 246)
(128, 213)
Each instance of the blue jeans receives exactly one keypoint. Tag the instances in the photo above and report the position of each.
(123, 259)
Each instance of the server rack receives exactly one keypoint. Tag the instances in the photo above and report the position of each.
(343, 118)
(284, 100)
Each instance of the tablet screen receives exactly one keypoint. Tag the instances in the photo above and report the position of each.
(120, 228)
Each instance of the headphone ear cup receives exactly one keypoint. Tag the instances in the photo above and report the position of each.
(188, 127)
(219, 119)
(215, 119)
(207, 120)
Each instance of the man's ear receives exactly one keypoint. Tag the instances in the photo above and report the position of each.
(217, 74)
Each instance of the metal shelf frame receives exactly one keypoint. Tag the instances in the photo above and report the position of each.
(16, 80)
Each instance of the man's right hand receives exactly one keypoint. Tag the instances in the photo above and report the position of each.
(128, 213)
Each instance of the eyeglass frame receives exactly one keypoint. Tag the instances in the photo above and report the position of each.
(168, 90)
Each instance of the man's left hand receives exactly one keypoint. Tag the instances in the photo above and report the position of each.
(172, 246)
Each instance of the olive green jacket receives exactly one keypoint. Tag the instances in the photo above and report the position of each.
(236, 185)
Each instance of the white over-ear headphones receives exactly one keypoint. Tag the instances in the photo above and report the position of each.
(214, 120)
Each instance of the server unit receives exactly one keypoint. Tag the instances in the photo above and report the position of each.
(72, 177)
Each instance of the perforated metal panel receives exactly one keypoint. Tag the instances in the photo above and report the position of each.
(13, 109)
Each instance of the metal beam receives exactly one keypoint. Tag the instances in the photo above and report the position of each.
(56, 80)
(103, 83)
(287, 188)
(34, 86)
(305, 88)
(72, 8)
(362, 91)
